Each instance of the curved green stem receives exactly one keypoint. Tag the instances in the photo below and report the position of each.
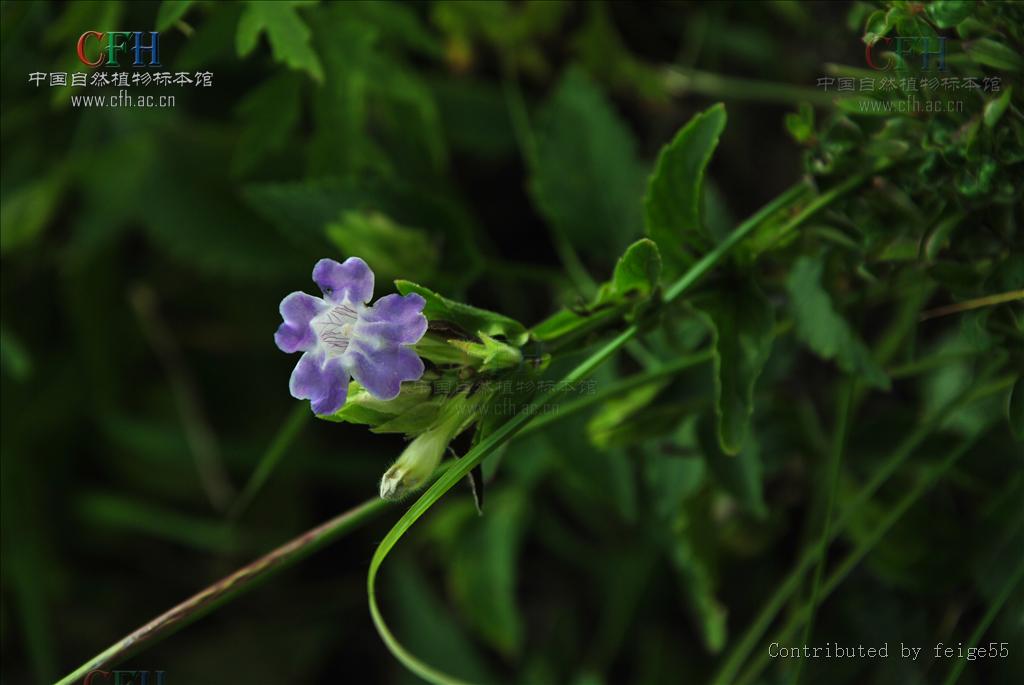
(519, 421)
(248, 577)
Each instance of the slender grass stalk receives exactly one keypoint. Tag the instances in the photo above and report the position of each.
(726, 675)
(682, 80)
(286, 434)
(978, 303)
(251, 575)
(863, 548)
(199, 434)
(1004, 594)
(229, 587)
(839, 443)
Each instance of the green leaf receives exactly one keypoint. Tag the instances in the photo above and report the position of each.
(288, 35)
(673, 208)
(696, 581)
(949, 13)
(302, 210)
(15, 360)
(585, 174)
(471, 319)
(740, 474)
(823, 329)
(991, 53)
(636, 272)
(482, 572)
(363, 408)
(393, 250)
(561, 323)
(426, 623)
(801, 124)
(743, 327)
(879, 24)
(269, 114)
(170, 12)
(638, 269)
(1015, 409)
(492, 355)
(995, 107)
(25, 212)
(604, 427)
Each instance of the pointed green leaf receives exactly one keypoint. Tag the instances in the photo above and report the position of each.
(823, 329)
(742, 324)
(948, 13)
(393, 249)
(995, 107)
(492, 355)
(471, 319)
(992, 53)
(739, 475)
(673, 209)
(288, 35)
(585, 174)
(638, 269)
(482, 574)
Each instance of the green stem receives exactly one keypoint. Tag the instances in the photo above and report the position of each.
(517, 422)
(842, 422)
(978, 303)
(456, 473)
(668, 369)
(680, 81)
(986, 621)
(304, 545)
(286, 434)
(743, 230)
(739, 654)
(857, 555)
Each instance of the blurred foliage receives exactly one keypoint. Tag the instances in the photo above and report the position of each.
(541, 172)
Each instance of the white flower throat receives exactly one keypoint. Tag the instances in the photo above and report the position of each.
(334, 328)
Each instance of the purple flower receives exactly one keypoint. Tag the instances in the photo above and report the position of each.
(340, 336)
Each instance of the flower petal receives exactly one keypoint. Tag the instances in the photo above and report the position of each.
(297, 310)
(325, 385)
(382, 371)
(394, 319)
(350, 281)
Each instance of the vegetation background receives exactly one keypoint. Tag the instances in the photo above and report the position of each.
(499, 153)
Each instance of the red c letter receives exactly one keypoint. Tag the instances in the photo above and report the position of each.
(105, 674)
(867, 56)
(81, 53)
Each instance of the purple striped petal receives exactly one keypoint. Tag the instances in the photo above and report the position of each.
(382, 371)
(297, 310)
(324, 385)
(350, 281)
(395, 320)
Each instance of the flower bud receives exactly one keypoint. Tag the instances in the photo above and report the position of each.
(415, 465)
